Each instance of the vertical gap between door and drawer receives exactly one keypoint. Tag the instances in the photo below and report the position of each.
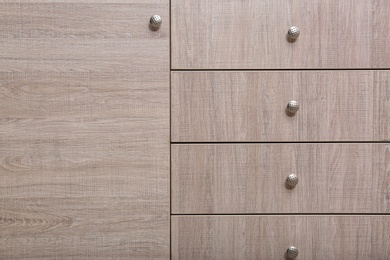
(170, 127)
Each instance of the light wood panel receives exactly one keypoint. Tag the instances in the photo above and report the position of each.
(381, 92)
(252, 34)
(381, 33)
(251, 178)
(84, 130)
(251, 106)
(85, 228)
(268, 237)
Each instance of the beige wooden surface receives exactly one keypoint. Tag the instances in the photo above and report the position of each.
(381, 91)
(380, 48)
(251, 106)
(251, 34)
(84, 130)
(251, 178)
(268, 237)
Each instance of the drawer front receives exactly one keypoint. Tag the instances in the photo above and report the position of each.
(269, 237)
(252, 106)
(252, 178)
(252, 34)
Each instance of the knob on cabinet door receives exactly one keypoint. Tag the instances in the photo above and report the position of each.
(293, 32)
(155, 21)
(292, 252)
(292, 180)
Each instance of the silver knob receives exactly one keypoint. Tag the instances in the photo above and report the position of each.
(292, 252)
(293, 32)
(292, 180)
(292, 106)
(155, 21)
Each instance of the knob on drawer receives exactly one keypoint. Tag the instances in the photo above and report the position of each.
(292, 252)
(155, 21)
(293, 32)
(292, 107)
(292, 180)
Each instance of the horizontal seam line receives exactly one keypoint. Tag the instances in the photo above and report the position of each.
(298, 142)
(344, 69)
(284, 214)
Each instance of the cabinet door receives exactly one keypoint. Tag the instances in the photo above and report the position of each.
(84, 154)
(269, 237)
(252, 178)
(251, 106)
(252, 34)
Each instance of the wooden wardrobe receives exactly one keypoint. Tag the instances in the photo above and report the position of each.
(195, 129)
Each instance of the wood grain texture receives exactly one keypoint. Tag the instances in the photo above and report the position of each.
(84, 130)
(381, 33)
(251, 178)
(268, 237)
(251, 106)
(251, 34)
(382, 105)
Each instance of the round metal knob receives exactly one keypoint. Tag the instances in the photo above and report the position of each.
(292, 106)
(155, 21)
(292, 180)
(293, 32)
(292, 252)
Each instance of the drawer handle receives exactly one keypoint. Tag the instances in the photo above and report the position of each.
(292, 180)
(293, 32)
(292, 107)
(292, 252)
(155, 21)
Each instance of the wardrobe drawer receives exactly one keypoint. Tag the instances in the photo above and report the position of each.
(251, 106)
(269, 237)
(252, 178)
(252, 34)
